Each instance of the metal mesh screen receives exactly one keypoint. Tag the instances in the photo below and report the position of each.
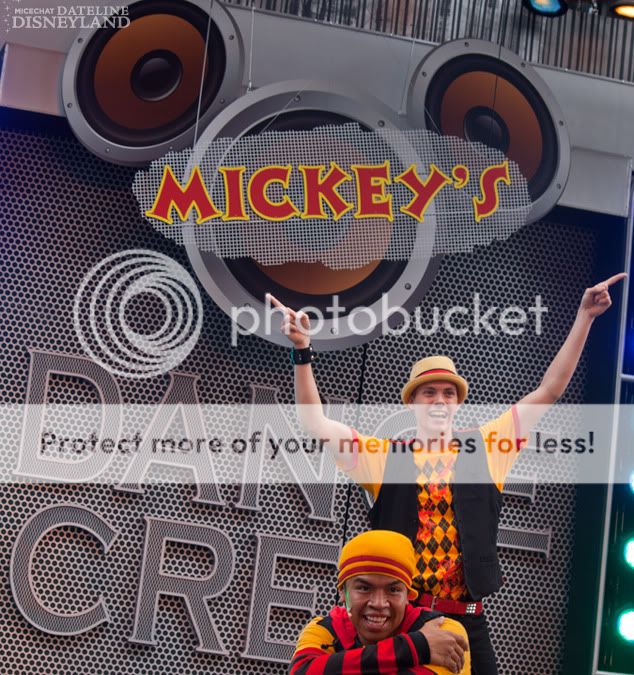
(64, 211)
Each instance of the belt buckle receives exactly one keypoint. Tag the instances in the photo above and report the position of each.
(470, 608)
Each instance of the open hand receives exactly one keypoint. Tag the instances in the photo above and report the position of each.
(295, 325)
(597, 299)
(446, 649)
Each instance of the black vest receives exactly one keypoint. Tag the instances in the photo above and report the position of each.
(476, 504)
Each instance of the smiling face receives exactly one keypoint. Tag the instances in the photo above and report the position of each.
(435, 405)
(376, 604)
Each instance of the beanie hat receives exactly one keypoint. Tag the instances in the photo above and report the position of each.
(379, 552)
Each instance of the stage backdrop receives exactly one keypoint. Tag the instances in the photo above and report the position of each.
(63, 211)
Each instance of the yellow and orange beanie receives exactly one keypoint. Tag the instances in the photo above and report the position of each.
(379, 552)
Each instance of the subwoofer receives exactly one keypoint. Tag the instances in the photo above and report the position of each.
(136, 91)
(243, 282)
(484, 93)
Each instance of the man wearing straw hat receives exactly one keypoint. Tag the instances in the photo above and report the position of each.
(449, 503)
(377, 630)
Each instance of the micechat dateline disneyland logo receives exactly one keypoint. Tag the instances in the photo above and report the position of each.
(67, 16)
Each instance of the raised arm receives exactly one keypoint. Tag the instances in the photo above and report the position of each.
(296, 326)
(595, 301)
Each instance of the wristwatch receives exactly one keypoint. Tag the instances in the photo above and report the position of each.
(301, 356)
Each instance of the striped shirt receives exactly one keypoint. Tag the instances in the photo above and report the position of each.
(330, 646)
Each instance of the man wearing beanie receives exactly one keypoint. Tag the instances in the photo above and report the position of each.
(446, 501)
(377, 630)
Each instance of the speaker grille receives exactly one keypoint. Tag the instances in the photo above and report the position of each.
(480, 91)
(127, 108)
(480, 98)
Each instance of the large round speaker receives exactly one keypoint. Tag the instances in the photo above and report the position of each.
(482, 92)
(136, 89)
(240, 282)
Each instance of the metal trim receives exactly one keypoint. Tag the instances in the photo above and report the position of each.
(615, 430)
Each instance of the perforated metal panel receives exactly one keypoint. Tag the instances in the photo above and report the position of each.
(65, 210)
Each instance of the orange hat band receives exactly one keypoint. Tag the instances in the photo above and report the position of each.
(442, 371)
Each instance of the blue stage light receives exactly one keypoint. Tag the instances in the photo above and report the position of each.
(628, 553)
(626, 625)
(546, 7)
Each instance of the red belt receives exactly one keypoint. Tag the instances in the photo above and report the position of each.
(430, 601)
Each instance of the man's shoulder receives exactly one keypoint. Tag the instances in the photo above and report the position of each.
(319, 621)
(425, 615)
(416, 617)
(316, 634)
(454, 626)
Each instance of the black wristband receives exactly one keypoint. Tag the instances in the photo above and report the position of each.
(299, 357)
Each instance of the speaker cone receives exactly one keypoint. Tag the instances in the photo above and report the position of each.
(300, 283)
(134, 92)
(483, 93)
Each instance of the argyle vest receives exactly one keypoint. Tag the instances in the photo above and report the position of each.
(476, 504)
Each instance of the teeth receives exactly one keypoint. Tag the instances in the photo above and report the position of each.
(377, 620)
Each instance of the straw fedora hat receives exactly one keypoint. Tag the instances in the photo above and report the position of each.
(431, 369)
